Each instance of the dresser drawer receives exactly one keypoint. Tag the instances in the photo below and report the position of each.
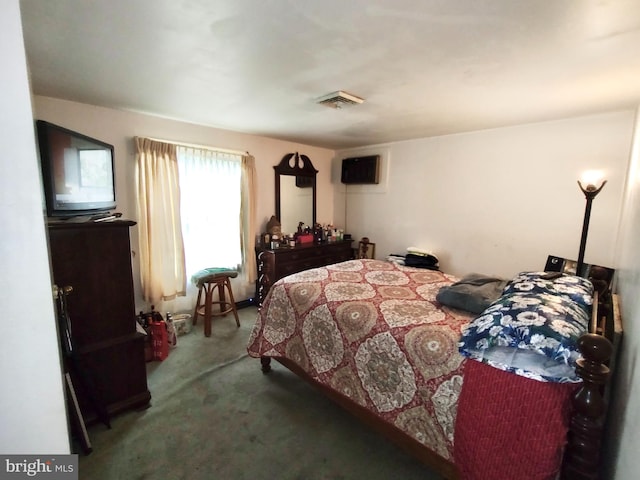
(274, 264)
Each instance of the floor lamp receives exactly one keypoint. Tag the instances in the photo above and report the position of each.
(590, 191)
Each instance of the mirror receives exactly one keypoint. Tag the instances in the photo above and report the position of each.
(295, 192)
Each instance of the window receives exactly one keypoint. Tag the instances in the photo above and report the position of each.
(196, 209)
(210, 208)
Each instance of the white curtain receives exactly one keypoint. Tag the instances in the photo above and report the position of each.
(204, 198)
(159, 227)
(210, 199)
(249, 272)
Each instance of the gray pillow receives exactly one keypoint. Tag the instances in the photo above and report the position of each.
(473, 293)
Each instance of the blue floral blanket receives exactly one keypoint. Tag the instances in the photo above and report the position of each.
(533, 328)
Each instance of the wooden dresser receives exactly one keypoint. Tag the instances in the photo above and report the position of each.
(273, 264)
(95, 260)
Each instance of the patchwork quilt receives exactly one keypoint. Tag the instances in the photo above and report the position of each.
(373, 331)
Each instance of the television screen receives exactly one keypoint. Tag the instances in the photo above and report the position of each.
(77, 172)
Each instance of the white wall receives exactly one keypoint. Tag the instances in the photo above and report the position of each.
(495, 201)
(119, 127)
(32, 408)
(624, 433)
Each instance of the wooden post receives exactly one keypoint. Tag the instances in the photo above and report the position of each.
(582, 455)
(265, 363)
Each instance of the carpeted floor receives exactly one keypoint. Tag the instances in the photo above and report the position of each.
(214, 415)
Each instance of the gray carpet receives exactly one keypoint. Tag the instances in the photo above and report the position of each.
(214, 415)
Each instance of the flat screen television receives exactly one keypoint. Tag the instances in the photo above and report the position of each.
(77, 172)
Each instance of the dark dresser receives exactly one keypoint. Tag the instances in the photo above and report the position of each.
(95, 260)
(273, 264)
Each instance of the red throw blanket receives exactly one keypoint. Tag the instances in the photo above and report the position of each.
(510, 427)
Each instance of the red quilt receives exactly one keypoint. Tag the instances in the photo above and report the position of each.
(373, 331)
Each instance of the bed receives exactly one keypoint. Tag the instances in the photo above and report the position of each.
(371, 335)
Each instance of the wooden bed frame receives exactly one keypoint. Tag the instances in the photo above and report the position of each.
(582, 453)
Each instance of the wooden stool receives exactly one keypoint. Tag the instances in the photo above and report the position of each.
(210, 280)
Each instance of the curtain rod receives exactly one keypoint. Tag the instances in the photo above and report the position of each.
(202, 147)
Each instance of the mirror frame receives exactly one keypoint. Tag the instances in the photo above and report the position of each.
(302, 167)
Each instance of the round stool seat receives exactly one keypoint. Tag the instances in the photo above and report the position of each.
(209, 274)
(209, 280)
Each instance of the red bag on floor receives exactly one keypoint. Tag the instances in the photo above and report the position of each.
(159, 340)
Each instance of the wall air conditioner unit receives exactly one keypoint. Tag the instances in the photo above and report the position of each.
(361, 170)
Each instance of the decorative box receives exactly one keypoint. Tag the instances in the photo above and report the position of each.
(182, 323)
(305, 238)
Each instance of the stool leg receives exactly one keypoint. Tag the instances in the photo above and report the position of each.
(194, 320)
(207, 309)
(221, 296)
(227, 284)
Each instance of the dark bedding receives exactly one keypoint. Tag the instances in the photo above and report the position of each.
(473, 293)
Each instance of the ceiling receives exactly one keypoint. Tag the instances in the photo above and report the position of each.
(424, 67)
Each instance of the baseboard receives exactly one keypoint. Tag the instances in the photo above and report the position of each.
(249, 302)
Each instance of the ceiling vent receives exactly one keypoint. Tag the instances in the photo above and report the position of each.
(339, 99)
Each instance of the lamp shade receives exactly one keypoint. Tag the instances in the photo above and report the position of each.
(591, 179)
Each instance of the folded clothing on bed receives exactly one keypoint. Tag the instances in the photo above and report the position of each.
(533, 328)
(473, 293)
(395, 258)
(421, 261)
